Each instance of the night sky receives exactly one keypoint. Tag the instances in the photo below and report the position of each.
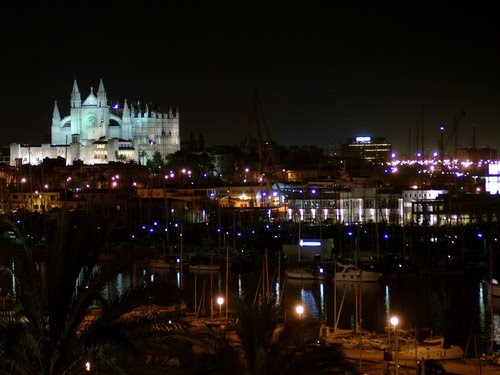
(322, 74)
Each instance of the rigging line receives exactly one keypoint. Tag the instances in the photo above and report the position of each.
(340, 308)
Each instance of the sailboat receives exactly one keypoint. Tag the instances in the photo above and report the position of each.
(352, 273)
(306, 273)
(494, 290)
(349, 272)
(334, 335)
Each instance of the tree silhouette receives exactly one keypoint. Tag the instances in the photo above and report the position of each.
(59, 288)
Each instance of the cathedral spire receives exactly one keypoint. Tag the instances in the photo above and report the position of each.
(55, 113)
(101, 95)
(56, 116)
(126, 111)
(76, 99)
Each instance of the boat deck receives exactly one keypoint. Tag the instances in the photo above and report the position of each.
(372, 362)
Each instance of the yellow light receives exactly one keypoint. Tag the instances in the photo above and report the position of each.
(394, 320)
(220, 300)
(299, 309)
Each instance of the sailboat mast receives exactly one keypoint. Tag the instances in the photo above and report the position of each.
(227, 278)
(492, 322)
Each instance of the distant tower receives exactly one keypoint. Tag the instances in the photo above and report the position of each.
(56, 116)
(76, 99)
(101, 95)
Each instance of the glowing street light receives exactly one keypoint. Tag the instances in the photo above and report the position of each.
(299, 309)
(220, 302)
(395, 321)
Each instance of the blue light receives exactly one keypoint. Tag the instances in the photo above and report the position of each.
(309, 243)
(349, 233)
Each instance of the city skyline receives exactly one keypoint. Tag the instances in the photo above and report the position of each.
(323, 75)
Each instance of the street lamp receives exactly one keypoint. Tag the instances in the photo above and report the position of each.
(395, 321)
(220, 302)
(299, 309)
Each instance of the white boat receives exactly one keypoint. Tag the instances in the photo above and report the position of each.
(306, 273)
(349, 272)
(495, 288)
(431, 351)
(331, 335)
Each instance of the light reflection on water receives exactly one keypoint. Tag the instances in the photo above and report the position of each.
(457, 309)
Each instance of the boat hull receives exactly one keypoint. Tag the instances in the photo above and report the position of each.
(364, 276)
(349, 272)
(304, 275)
(432, 352)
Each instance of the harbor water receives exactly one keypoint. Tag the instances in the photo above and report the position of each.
(455, 308)
(458, 309)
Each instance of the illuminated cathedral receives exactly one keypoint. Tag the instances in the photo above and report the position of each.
(96, 132)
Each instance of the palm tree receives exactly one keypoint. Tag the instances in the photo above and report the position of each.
(269, 345)
(58, 287)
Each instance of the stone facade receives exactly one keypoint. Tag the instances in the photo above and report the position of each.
(97, 133)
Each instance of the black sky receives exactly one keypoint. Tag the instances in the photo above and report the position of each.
(322, 74)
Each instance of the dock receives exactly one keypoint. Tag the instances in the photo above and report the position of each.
(371, 362)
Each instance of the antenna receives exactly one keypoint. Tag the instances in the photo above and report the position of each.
(422, 130)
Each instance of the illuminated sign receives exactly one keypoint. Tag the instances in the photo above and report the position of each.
(309, 243)
(363, 139)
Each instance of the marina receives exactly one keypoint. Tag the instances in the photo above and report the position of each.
(423, 304)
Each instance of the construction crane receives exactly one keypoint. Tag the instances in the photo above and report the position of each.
(268, 159)
(452, 135)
